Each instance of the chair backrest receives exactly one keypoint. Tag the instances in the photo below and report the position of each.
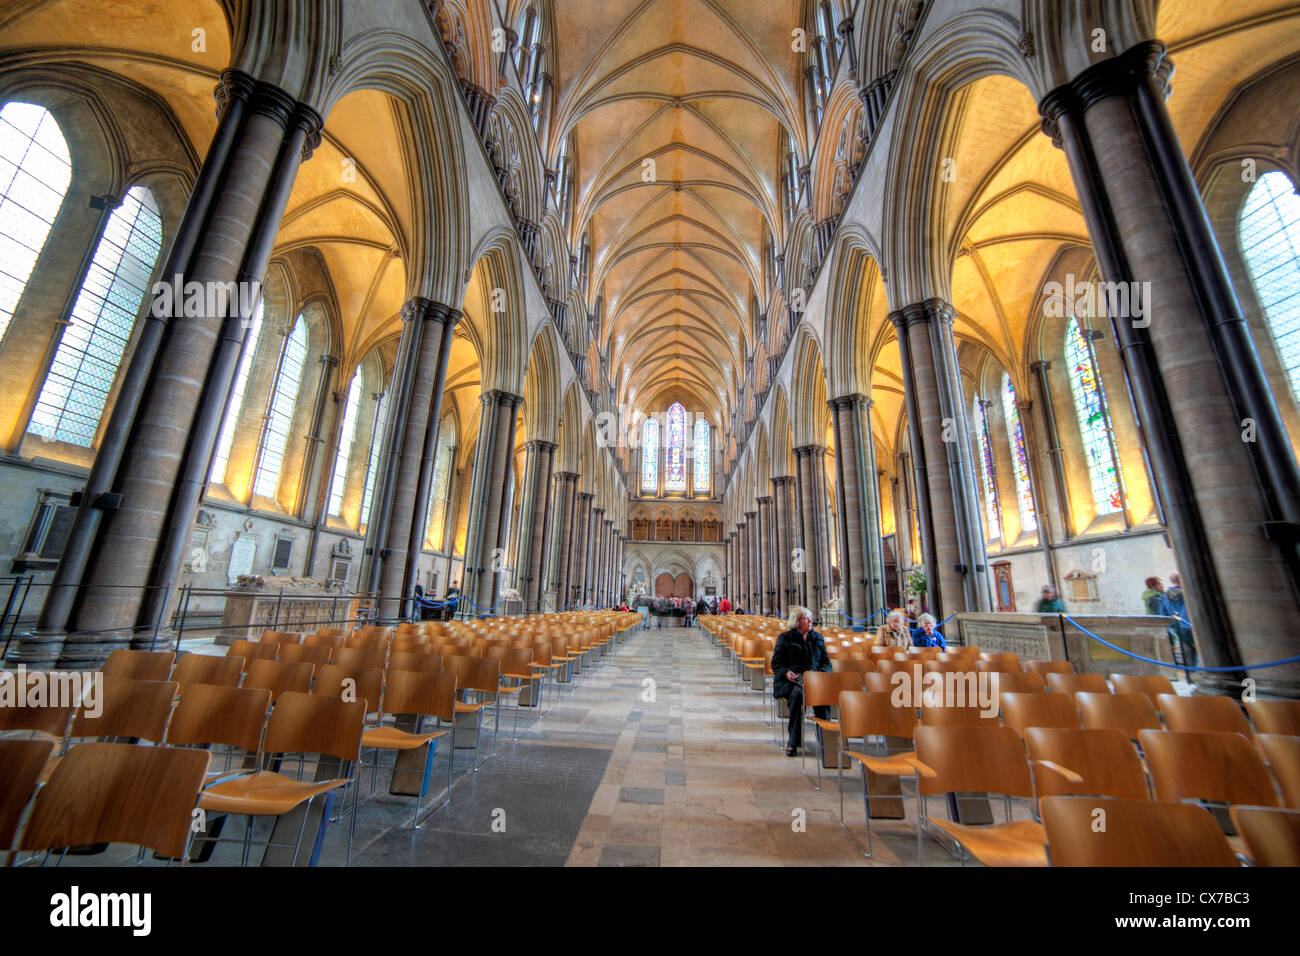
(303, 653)
(279, 677)
(1106, 759)
(1282, 751)
(411, 661)
(966, 716)
(517, 662)
(254, 651)
(858, 665)
(21, 763)
(541, 652)
(822, 688)
(988, 759)
(1275, 716)
(1049, 667)
(139, 665)
(330, 633)
(314, 723)
(319, 639)
(1216, 766)
(890, 666)
(1137, 833)
(361, 657)
(484, 675)
(204, 669)
(1021, 711)
(46, 719)
(409, 692)
(877, 681)
(281, 637)
(1153, 685)
(367, 684)
(1020, 682)
(1203, 713)
(1273, 836)
(127, 708)
(118, 793)
(208, 714)
(999, 661)
(959, 666)
(1074, 683)
(865, 714)
(1131, 713)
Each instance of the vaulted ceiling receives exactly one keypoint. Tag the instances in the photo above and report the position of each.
(677, 110)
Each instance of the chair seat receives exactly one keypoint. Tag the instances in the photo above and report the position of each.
(824, 724)
(895, 765)
(464, 708)
(1018, 843)
(264, 793)
(509, 688)
(393, 738)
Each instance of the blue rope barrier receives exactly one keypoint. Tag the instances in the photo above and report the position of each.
(1181, 667)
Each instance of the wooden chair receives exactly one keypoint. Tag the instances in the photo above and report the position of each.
(118, 793)
(1073, 761)
(478, 674)
(1282, 752)
(253, 651)
(1020, 682)
(1137, 833)
(362, 657)
(864, 714)
(312, 654)
(1203, 713)
(1153, 685)
(822, 689)
(415, 661)
(300, 724)
(959, 666)
(1022, 711)
(139, 665)
(21, 765)
(281, 637)
(1271, 836)
(968, 716)
(350, 684)
(859, 665)
(999, 661)
(1043, 668)
(417, 694)
(1131, 713)
(988, 759)
(333, 642)
(127, 708)
(1074, 683)
(1275, 716)
(1216, 766)
(279, 677)
(230, 716)
(203, 669)
(517, 665)
(46, 721)
(877, 682)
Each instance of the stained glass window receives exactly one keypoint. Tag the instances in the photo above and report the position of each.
(90, 350)
(675, 449)
(1019, 457)
(236, 403)
(1094, 421)
(280, 409)
(991, 503)
(703, 455)
(650, 456)
(372, 466)
(441, 485)
(1270, 243)
(347, 435)
(35, 171)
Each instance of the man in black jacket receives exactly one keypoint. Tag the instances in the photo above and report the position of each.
(797, 650)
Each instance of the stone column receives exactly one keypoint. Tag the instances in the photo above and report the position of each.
(729, 564)
(1232, 506)
(597, 554)
(566, 501)
(955, 569)
(753, 583)
(606, 591)
(409, 502)
(782, 487)
(811, 460)
(767, 552)
(488, 504)
(164, 430)
(863, 561)
(582, 522)
(535, 513)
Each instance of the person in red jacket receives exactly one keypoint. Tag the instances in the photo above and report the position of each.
(724, 606)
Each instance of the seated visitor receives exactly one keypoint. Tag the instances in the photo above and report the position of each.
(893, 633)
(927, 634)
(798, 650)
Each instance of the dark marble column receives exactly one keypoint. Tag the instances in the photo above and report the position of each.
(486, 555)
(567, 502)
(864, 580)
(535, 514)
(782, 511)
(581, 547)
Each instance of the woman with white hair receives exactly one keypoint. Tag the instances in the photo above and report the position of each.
(894, 633)
(797, 650)
(927, 635)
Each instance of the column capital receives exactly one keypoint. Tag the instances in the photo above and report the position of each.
(1116, 76)
(566, 475)
(1025, 405)
(810, 450)
(504, 399)
(782, 480)
(1042, 366)
(853, 400)
(586, 495)
(751, 514)
(764, 499)
(538, 444)
(931, 310)
(418, 307)
(599, 511)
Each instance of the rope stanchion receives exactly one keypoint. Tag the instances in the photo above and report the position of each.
(1183, 667)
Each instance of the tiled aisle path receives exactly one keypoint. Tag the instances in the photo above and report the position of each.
(696, 777)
